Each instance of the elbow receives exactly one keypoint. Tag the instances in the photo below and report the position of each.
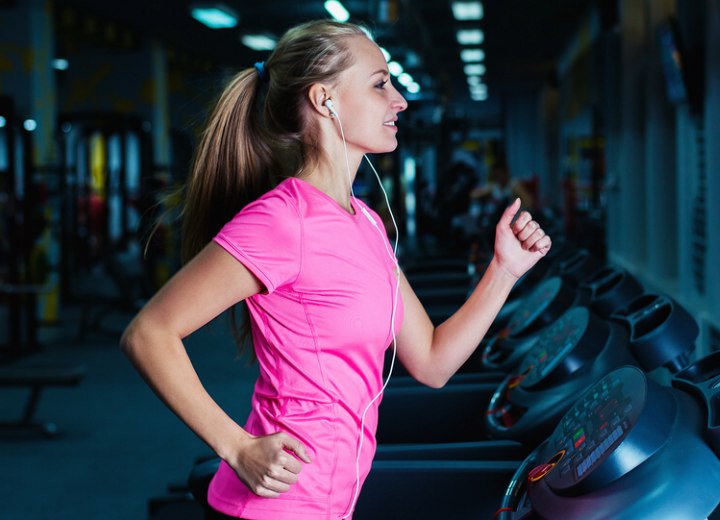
(438, 382)
(129, 339)
(432, 379)
(126, 341)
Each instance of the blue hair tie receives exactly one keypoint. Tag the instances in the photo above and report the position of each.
(260, 68)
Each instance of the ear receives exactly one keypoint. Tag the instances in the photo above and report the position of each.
(317, 95)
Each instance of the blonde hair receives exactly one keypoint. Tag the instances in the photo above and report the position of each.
(259, 132)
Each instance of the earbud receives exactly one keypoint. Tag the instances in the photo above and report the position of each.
(329, 104)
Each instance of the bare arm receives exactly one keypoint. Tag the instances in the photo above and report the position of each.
(212, 282)
(433, 354)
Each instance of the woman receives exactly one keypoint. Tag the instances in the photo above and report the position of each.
(270, 219)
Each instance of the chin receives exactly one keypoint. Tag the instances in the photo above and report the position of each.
(387, 149)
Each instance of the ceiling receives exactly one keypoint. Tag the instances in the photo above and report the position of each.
(523, 38)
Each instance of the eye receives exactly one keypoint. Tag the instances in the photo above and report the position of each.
(381, 84)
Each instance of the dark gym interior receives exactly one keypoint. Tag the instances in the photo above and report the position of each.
(596, 394)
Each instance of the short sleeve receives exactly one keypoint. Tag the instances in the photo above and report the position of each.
(266, 236)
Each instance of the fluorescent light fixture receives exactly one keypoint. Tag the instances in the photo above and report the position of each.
(470, 36)
(413, 88)
(385, 53)
(337, 10)
(395, 68)
(478, 97)
(474, 69)
(478, 89)
(467, 10)
(60, 64)
(472, 55)
(3, 122)
(214, 15)
(30, 125)
(405, 79)
(474, 80)
(258, 42)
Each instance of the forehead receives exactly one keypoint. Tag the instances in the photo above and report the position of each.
(367, 55)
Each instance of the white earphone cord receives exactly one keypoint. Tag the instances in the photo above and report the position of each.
(393, 257)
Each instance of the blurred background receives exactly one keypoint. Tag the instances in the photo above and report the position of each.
(603, 115)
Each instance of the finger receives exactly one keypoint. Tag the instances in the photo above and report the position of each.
(521, 222)
(529, 230)
(543, 245)
(298, 448)
(290, 463)
(510, 213)
(531, 240)
(279, 479)
(271, 486)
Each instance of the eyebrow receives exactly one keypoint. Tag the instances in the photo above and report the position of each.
(384, 72)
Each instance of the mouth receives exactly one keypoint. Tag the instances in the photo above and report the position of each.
(389, 123)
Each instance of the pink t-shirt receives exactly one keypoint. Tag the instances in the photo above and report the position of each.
(320, 333)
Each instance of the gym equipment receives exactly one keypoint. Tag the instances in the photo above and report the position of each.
(36, 378)
(578, 266)
(659, 328)
(578, 350)
(605, 291)
(575, 351)
(21, 223)
(628, 448)
(608, 290)
(540, 308)
(107, 164)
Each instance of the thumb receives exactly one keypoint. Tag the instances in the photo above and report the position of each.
(510, 213)
(298, 448)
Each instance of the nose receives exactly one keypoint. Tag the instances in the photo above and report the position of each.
(399, 103)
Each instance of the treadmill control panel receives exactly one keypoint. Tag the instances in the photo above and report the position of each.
(594, 427)
(554, 345)
(534, 304)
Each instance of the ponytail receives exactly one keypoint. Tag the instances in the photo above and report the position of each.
(259, 134)
(233, 164)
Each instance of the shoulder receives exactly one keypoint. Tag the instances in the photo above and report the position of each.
(275, 212)
(276, 204)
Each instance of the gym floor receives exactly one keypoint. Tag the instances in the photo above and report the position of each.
(117, 445)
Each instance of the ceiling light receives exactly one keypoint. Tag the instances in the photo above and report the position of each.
(467, 10)
(474, 80)
(472, 55)
(478, 97)
(474, 69)
(413, 88)
(214, 15)
(470, 36)
(60, 64)
(385, 53)
(258, 42)
(337, 10)
(395, 68)
(3, 122)
(30, 125)
(478, 89)
(405, 79)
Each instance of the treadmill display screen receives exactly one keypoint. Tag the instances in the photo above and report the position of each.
(554, 345)
(596, 425)
(534, 304)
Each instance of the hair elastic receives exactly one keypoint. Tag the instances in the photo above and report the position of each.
(261, 72)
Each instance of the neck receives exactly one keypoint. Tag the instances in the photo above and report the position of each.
(331, 176)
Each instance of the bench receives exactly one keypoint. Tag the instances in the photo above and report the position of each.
(36, 378)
